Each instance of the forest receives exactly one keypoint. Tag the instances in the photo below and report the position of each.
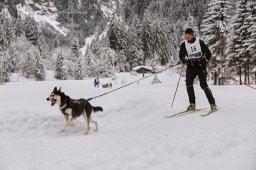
(124, 34)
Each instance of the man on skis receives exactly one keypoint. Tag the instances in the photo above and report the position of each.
(196, 55)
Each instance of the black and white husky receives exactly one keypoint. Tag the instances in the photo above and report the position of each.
(71, 109)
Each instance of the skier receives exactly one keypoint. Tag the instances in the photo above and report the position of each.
(96, 82)
(196, 55)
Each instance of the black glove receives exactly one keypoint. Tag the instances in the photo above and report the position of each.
(184, 61)
(205, 63)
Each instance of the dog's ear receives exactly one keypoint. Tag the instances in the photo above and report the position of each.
(59, 89)
(55, 89)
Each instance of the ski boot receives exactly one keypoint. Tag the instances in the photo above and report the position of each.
(191, 107)
(213, 107)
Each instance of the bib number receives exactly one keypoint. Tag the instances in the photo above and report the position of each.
(193, 49)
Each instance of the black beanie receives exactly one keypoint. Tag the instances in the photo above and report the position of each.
(189, 31)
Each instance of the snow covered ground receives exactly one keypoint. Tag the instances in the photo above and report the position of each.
(133, 133)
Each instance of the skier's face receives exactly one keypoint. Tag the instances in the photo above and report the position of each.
(188, 37)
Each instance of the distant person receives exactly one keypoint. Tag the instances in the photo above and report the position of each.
(196, 55)
(96, 82)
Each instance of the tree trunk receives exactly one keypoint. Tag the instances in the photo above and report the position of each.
(248, 70)
(240, 74)
(245, 73)
(215, 78)
(255, 77)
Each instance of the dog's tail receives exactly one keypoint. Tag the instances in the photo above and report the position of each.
(96, 109)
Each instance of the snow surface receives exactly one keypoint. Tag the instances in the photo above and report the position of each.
(133, 133)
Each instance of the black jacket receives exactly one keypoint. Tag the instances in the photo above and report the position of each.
(205, 50)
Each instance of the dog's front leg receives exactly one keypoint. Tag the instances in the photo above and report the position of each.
(66, 117)
(68, 123)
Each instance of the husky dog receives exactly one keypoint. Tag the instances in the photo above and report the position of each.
(71, 109)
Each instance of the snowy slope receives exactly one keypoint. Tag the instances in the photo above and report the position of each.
(132, 131)
(43, 12)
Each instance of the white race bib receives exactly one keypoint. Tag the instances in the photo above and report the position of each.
(193, 49)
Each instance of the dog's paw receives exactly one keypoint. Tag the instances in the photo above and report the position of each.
(86, 133)
(95, 130)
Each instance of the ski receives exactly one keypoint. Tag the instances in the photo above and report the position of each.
(184, 112)
(210, 112)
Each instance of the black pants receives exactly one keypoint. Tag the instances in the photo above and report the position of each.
(191, 74)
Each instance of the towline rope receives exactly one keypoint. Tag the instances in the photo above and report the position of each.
(132, 82)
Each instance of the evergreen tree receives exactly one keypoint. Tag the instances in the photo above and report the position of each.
(214, 33)
(191, 23)
(142, 6)
(173, 40)
(31, 30)
(134, 56)
(39, 67)
(75, 48)
(90, 62)
(133, 50)
(155, 80)
(10, 31)
(245, 29)
(105, 62)
(79, 71)
(73, 58)
(60, 69)
(146, 38)
(18, 27)
(5, 67)
(18, 52)
(160, 44)
(251, 41)
(237, 53)
(42, 46)
(121, 62)
(4, 42)
(155, 62)
(117, 35)
(28, 67)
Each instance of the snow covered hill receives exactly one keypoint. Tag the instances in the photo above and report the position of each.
(133, 133)
(43, 12)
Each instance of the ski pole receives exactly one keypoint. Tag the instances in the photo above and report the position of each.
(177, 85)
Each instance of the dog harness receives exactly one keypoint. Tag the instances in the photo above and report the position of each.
(64, 107)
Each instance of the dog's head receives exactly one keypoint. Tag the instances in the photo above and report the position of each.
(55, 96)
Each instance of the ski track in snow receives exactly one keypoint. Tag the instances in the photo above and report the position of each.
(132, 131)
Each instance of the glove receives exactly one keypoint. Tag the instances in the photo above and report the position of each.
(184, 61)
(205, 63)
